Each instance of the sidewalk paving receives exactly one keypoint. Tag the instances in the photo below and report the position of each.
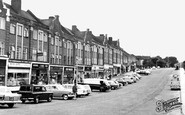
(182, 82)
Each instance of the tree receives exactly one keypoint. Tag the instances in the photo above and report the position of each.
(171, 61)
(161, 63)
(148, 63)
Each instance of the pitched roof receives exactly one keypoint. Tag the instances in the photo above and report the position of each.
(23, 13)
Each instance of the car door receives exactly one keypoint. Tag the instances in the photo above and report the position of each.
(56, 91)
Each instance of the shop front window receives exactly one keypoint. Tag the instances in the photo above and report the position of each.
(17, 79)
(2, 76)
(68, 75)
(39, 74)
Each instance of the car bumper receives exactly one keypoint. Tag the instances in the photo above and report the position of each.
(175, 87)
(5, 102)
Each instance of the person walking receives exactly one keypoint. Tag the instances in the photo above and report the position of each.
(75, 91)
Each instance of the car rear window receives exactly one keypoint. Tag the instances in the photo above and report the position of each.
(25, 88)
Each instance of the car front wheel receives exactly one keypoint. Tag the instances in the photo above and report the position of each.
(10, 105)
(65, 97)
(23, 101)
(49, 99)
(36, 100)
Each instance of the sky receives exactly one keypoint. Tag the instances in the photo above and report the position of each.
(143, 27)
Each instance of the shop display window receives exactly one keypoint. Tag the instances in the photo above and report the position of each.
(17, 79)
(2, 76)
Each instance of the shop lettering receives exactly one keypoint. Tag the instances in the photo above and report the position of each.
(69, 69)
(168, 105)
(11, 64)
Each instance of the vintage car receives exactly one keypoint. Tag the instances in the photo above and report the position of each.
(81, 91)
(175, 82)
(129, 79)
(59, 91)
(35, 93)
(113, 84)
(7, 97)
(121, 81)
(98, 84)
(87, 87)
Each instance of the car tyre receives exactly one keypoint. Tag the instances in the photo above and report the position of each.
(49, 98)
(112, 88)
(23, 101)
(65, 97)
(10, 105)
(36, 100)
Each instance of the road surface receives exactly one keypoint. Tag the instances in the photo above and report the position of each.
(134, 99)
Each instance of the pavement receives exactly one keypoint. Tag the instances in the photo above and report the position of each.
(182, 79)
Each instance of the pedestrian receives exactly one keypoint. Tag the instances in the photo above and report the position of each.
(75, 91)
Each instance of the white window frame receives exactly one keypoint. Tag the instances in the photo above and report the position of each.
(40, 38)
(2, 23)
(19, 30)
(35, 34)
(26, 32)
(12, 28)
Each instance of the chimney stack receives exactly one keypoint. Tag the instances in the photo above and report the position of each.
(74, 28)
(57, 17)
(16, 5)
(51, 17)
(110, 39)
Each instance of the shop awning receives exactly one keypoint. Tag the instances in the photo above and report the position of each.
(18, 70)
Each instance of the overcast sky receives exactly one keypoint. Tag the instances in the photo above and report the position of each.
(144, 27)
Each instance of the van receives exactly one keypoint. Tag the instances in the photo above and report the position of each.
(98, 84)
(175, 82)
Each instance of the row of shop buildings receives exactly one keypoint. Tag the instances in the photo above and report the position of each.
(42, 51)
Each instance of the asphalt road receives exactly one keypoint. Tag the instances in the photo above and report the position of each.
(134, 99)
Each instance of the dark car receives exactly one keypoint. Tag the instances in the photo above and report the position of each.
(35, 93)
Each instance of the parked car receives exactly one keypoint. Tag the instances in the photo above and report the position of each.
(136, 74)
(81, 91)
(122, 81)
(144, 72)
(8, 98)
(129, 79)
(113, 84)
(87, 87)
(59, 91)
(98, 84)
(35, 93)
(120, 84)
(175, 82)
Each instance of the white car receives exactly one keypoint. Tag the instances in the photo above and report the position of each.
(59, 91)
(81, 91)
(7, 97)
(88, 89)
(175, 82)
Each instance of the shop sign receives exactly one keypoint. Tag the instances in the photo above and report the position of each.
(80, 68)
(39, 66)
(68, 69)
(88, 68)
(14, 64)
(56, 68)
